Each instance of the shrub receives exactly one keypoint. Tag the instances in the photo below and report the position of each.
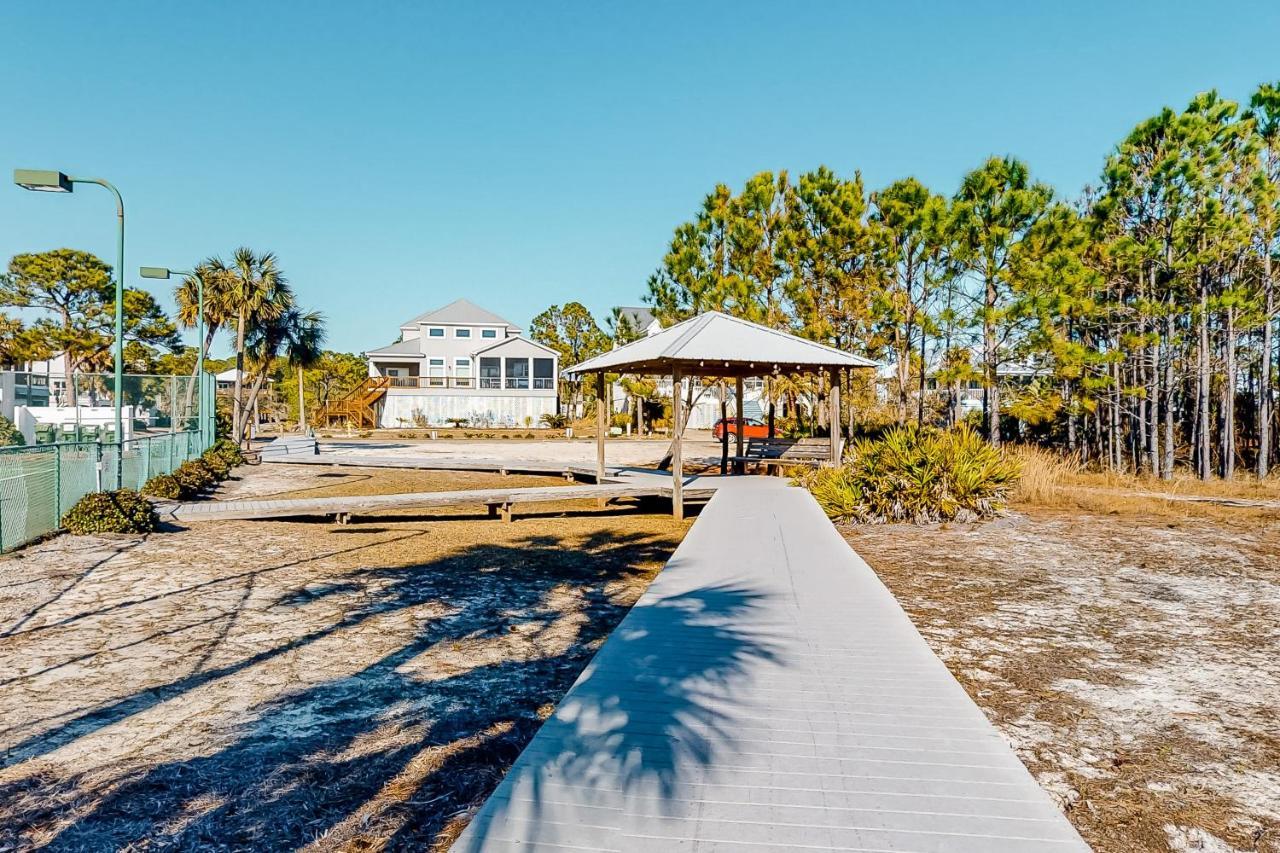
(919, 475)
(164, 486)
(222, 423)
(218, 465)
(554, 421)
(124, 511)
(621, 420)
(10, 435)
(228, 450)
(194, 476)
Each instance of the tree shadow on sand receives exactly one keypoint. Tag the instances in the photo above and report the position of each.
(391, 754)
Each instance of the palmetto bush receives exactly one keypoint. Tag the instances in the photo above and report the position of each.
(919, 475)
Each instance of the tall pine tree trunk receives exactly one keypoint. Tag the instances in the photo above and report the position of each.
(1264, 391)
(990, 359)
(1202, 387)
(1169, 408)
(1229, 398)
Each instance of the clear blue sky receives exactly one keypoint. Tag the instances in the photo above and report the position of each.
(399, 155)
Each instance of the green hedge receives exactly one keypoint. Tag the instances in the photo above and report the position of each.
(194, 476)
(918, 475)
(124, 511)
(164, 486)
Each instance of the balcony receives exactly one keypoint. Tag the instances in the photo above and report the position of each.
(510, 383)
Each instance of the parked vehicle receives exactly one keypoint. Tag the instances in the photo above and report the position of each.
(749, 427)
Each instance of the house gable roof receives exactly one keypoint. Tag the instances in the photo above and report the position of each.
(411, 348)
(515, 339)
(460, 312)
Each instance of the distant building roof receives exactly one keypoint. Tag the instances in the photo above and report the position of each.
(229, 375)
(411, 347)
(461, 311)
(639, 318)
(715, 344)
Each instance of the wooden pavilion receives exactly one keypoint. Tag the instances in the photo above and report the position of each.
(718, 346)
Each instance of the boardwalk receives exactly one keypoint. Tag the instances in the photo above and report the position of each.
(767, 693)
(347, 506)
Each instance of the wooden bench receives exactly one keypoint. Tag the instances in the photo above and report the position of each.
(786, 451)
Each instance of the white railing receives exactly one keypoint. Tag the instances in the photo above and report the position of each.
(517, 383)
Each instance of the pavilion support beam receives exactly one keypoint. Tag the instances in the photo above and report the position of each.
(738, 465)
(602, 425)
(835, 417)
(677, 461)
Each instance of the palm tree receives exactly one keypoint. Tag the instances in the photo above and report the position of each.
(295, 334)
(218, 309)
(304, 348)
(258, 294)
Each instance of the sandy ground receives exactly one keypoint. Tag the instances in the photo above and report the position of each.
(274, 685)
(1132, 660)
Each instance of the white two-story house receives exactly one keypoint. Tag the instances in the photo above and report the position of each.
(464, 362)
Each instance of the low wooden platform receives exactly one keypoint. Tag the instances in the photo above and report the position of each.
(343, 508)
(767, 693)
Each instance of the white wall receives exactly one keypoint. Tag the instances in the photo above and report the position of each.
(496, 410)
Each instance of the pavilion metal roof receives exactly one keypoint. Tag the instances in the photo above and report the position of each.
(715, 344)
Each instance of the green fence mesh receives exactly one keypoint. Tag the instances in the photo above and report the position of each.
(39, 484)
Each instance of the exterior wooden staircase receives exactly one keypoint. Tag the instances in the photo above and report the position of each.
(359, 407)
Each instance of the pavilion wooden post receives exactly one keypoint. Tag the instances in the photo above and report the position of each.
(677, 462)
(601, 426)
(738, 465)
(835, 417)
(724, 431)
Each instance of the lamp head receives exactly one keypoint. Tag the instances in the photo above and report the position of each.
(153, 272)
(42, 180)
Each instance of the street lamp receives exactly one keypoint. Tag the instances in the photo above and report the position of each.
(164, 272)
(41, 180)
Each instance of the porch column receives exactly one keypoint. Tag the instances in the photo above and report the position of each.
(739, 466)
(602, 426)
(835, 417)
(677, 463)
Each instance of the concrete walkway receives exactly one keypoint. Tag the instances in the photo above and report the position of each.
(767, 693)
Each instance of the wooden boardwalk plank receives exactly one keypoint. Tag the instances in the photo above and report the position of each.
(766, 693)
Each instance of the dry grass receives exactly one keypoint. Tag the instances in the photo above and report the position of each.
(1049, 479)
(278, 685)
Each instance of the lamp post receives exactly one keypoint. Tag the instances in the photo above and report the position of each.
(164, 272)
(41, 180)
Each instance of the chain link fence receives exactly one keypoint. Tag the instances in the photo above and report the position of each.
(40, 482)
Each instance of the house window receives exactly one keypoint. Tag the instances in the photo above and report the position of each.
(462, 333)
(544, 373)
(435, 333)
(488, 333)
(462, 373)
(490, 373)
(517, 373)
(435, 372)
